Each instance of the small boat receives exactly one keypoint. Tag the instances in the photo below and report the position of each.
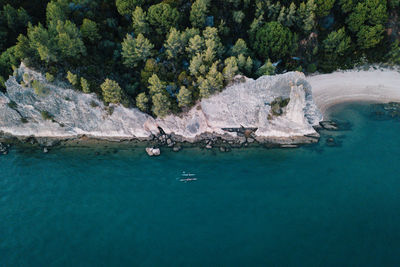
(184, 174)
(188, 180)
(187, 177)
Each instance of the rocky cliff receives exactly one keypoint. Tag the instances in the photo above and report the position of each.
(276, 108)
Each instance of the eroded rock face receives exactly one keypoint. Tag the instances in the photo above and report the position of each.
(244, 105)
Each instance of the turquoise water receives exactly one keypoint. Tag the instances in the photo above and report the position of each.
(312, 206)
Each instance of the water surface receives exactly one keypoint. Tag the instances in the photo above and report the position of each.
(317, 205)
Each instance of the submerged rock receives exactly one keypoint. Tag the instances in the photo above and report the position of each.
(4, 149)
(329, 125)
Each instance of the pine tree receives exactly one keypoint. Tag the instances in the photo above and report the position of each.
(155, 85)
(174, 44)
(161, 105)
(249, 65)
(112, 92)
(238, 16)
(85, 86)
(90, 31)
(240, 47)
(135, 51)
(142, 102)
(72, 78)
(184, 97)
(215, 78)
(266, 69)
(162, 17)
(231, 68)
(198, 13)
(197, 66)
(139, 22)
(196, 45)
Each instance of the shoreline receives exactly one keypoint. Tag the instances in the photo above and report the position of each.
(375, 86)
(328, 90)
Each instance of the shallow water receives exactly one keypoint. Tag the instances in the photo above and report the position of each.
(312, 206)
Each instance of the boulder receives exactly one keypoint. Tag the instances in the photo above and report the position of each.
(151, 151)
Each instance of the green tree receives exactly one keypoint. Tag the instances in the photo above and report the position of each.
(306, 16)
(69, 40)
(274, 41)
(49, 77)
(347, 5)
(211, 33)
(72, 78)
(240, 47)
(135, 51)
(161, 105)
(337, 43)
(249, 65)
(174, 44)
(151, 67)
(139, 22)
(196, 45)
(370, 36)
(336, 47)
(324, 7)
(156, 85)
(85, 86)
(266, 69)
(197, 66)
(162, 17)
(57, 10)
(357, 18)
(90, 31)
(238, 16)
(112, 92)
(126, 7)
(198, 13)
(215, 78)
(184, 97)
(231, 68)
(142, 102)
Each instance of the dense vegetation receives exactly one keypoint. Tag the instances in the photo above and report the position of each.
(162, 56)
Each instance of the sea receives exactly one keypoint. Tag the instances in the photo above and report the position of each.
(335, 203)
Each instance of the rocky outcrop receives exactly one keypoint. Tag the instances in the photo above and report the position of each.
(151, 151)
(248, 106)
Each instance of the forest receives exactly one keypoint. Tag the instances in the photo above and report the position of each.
(163, 56)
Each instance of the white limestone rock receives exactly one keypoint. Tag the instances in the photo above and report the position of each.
(246, 104)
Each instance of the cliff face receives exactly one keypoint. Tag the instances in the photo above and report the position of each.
(278, 108)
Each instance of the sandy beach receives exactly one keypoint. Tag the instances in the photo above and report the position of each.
(351, 86)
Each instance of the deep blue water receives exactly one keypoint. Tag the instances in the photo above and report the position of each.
(312, 206)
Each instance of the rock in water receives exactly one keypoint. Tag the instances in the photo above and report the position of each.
(153, 151)
(244, 105)
(4, 149)
(329, 125)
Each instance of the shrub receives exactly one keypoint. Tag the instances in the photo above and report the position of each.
(112, 92)
(12, 104)
(85, 86)
(39, 88)
(311, 68)
(72, 78)
(94, 104)
(49, 77)
(46, 115)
